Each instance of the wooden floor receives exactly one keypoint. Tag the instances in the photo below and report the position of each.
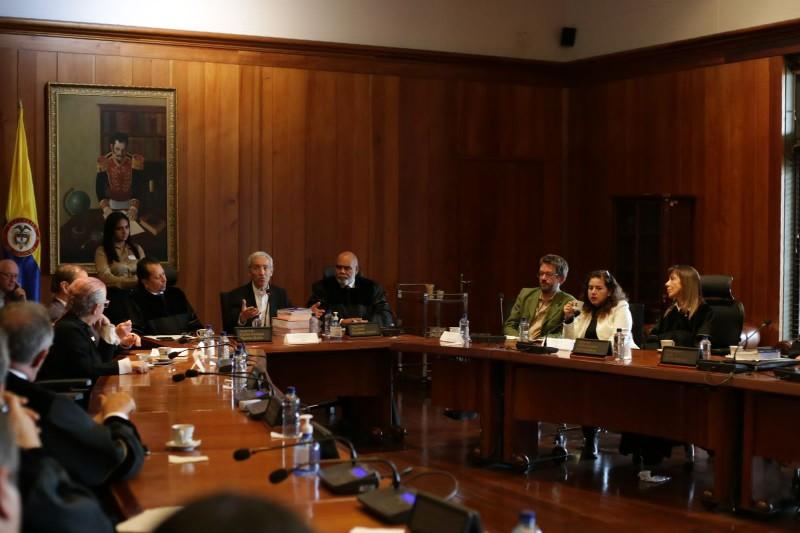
(601, 495)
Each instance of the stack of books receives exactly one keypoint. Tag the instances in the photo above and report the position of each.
(291, 320)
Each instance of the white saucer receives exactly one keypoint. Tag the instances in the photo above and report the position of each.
(188, 446)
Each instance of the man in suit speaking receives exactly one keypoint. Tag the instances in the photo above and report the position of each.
(257, 302)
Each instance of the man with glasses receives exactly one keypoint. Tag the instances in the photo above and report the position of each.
(354, 297)
(10, 290)
(542, 306)
(256, 302)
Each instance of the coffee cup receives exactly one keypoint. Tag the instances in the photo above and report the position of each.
(735, 348)
(666, 343)
(182, 433)
(577, 307)
(201, 332)
(163, 353)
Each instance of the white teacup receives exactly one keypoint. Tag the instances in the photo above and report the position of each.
(163, 353)
(182, 433)
(577, 307)
(665, 343)
(201, 332)
(735, 348)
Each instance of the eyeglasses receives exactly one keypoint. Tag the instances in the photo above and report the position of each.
(106, 304)
(548, 275)
(9, 275)
(346, 268)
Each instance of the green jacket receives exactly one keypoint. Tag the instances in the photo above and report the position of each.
(525, 306)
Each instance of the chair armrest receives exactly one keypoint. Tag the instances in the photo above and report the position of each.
(57, 385)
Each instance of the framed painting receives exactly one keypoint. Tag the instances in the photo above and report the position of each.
(111, 148)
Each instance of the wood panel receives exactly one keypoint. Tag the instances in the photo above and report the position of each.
(705, 133)
(435, 170)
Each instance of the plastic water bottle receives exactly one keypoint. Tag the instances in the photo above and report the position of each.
(211, 350)
(336, 327)
(526, 523)
(524, 326)
(306, 454)
(225, 349)
(290, 407)
(618, 345)
(463, 328)
(627, 354)
(313, 324)
(704, 348)
(326, 332)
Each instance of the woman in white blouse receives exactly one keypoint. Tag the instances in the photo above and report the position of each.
(605, 309)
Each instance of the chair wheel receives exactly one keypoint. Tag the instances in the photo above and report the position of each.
(559, 454)
(521, 463)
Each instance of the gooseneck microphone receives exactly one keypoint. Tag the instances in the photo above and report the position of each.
(500, 297)
(747, 338)
(242, 454)
(175, 353)
(192, 373)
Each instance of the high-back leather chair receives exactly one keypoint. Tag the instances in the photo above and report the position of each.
(726, 327)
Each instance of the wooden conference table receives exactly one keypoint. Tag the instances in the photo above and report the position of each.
(510, 390)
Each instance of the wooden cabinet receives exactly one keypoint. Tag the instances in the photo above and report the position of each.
(651, 233)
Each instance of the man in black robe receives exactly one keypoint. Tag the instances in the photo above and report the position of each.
(156, 309)
(354, 297)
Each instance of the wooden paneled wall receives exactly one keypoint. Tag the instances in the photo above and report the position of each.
(711, 132)
(430, 166)
(424, 172)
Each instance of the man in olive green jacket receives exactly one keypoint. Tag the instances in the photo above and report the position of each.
(544, 305)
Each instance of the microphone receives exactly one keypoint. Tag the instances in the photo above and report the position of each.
(175, 353)
(242, 454)
(747, 338)
(732, 367)
(350, 477)
(192, 373)
(500, 297)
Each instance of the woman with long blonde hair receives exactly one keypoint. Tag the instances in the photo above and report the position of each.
(689, 315)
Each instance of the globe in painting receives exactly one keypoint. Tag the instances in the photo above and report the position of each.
(76, 202)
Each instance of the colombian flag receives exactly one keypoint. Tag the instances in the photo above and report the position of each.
(21, 236)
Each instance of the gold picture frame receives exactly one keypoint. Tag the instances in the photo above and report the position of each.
(117, 142)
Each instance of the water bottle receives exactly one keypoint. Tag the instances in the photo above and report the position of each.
(463, 328)
(211, 350)
(524, 326)
(313, 324)
(618, 345)
(526, 523)
(326, 332)
(704, 348)
(290, 407)
(336, 327)
(627, 354)
(306, 454)
(225, 349)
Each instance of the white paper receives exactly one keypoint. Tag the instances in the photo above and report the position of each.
(301, 338)
(146, 521)
(183, 459)
(451, 338)
(361, 529)
(561, 344)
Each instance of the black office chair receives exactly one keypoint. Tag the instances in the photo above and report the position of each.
(726, 328)
(637, 331)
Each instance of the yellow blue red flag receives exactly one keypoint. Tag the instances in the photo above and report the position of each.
(21, 236)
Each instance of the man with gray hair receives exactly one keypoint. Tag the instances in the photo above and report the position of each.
(59, 285)
(257, 302)
(94, 452)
